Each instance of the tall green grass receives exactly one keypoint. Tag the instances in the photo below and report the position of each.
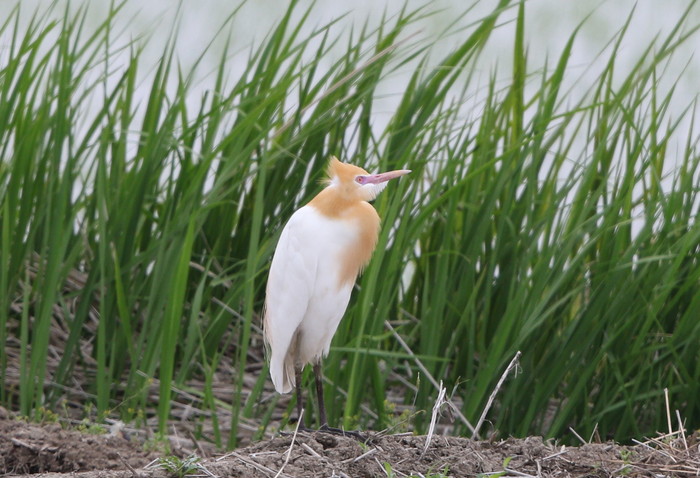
(136, 229)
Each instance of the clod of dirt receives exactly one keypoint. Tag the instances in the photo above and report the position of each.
(328, 441)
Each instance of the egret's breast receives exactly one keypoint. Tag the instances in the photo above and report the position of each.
(366, 222)
(347, 240)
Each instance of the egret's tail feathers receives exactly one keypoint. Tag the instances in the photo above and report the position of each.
(282, 373)
(282, 348)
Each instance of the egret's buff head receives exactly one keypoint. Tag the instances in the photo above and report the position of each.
(353, 182)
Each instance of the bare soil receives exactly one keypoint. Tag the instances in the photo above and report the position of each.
(54, 452)
(27, 448)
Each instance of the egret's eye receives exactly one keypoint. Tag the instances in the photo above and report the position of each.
(360, 179)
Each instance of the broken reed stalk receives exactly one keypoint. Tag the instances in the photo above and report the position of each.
(291, 445)
(492, 397)
(668, 412)
(439, 402)
(425, 371)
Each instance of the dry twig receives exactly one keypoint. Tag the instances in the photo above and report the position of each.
(439, 402)
(492, 397)
(432, 380)
(291, 445)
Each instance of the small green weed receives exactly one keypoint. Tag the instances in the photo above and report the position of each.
(400, 423)
(87, 426)
(180, 467)
(44, 415)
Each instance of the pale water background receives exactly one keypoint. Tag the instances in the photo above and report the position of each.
(549, 24)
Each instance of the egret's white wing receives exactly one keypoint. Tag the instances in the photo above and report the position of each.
(289, 290)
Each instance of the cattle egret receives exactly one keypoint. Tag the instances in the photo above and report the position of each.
(320, 253)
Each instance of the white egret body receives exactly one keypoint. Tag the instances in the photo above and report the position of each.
(320, 253)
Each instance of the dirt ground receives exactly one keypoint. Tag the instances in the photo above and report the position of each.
(53, 452)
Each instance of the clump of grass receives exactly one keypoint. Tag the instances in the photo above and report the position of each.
(179, 467)
(143, 231)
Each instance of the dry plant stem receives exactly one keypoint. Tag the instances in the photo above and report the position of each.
(22, 444)
(681, 430)
(364, 455)
(381, 467)
(517, 473)
(410, 352)
(492, 397)
(668, 412)
(555, 455)
(439, 402)
(291, 445)
(593, 433)
(134, 473)
(310, 450)
(656, 450)
(255, 465)
(425, 371)
(204, 470)
(583, 442)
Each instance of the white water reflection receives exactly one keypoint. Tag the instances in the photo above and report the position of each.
(548, 25)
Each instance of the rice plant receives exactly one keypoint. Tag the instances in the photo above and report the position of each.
(136, 230)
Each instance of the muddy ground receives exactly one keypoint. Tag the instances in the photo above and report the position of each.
(52, 451)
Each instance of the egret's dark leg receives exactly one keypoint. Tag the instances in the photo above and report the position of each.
(300, 400)
(319, 393)
(322, 410)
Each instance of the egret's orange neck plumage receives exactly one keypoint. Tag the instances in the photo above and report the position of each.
(343, 201)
